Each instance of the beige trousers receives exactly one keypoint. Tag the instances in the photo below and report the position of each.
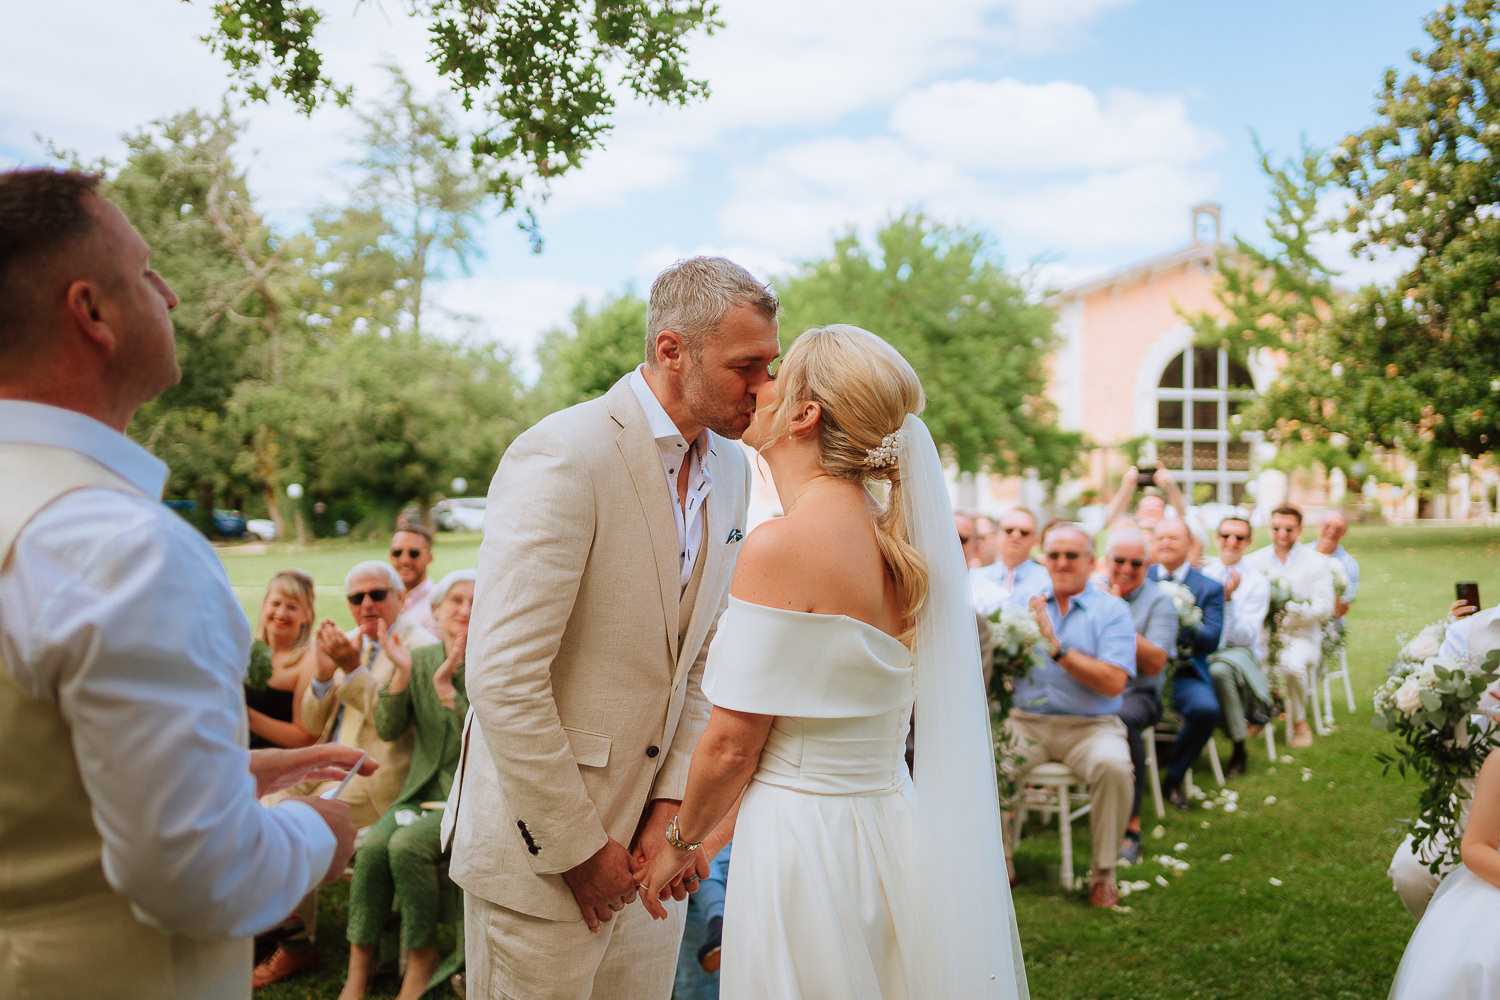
(1094, 748)
(511, 955)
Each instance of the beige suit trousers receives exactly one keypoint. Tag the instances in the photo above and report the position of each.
(1094, 748)
(511, 955)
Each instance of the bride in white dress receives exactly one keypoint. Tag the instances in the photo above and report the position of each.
(1454, 954)
(850, 879)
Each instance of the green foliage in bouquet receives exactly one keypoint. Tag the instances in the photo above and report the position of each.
(1430, 707)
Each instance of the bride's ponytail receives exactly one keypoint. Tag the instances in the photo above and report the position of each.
(865, 389)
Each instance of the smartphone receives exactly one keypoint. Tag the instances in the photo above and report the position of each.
(1143, 476)
(1468, 592)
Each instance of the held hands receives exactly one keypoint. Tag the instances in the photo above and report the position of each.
(335, 651)
(671, 872)
(1231, 584)
(604, 884)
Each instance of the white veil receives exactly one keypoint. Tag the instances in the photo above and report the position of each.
(961, 876)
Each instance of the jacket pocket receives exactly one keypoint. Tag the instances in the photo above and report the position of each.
(589, 749)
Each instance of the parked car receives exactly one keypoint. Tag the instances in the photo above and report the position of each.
(226, 523)
(459, 513)
(261, 528)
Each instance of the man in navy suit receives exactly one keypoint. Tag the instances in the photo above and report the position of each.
(1192, 689)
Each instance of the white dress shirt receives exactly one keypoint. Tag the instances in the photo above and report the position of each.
(1245, 612)
(675, 450)
(1307, 571)
(116, 611)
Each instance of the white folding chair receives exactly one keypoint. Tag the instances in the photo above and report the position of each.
(1052, 789)
(1342, 672)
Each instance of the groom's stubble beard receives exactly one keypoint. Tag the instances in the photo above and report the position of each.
(707, 407)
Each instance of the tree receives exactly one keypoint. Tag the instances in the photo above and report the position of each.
(417, 184)
(584, 362)
(1417, 361)
(542, 72)
(980, 346)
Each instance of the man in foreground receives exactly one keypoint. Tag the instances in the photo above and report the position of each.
(137, 862)
(609, 538)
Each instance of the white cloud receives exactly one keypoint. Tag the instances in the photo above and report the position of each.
(1334, 249)
(1114, 211)
(514, 312)
(1007, 125)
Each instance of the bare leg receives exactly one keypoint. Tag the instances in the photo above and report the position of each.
(361, 968)
(420, 963)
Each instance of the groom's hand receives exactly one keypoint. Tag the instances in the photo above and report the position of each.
(603, 885)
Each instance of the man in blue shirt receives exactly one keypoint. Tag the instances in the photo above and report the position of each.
(1066, 708)
(1155, 617)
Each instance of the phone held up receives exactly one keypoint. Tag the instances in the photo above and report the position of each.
(1468, 592)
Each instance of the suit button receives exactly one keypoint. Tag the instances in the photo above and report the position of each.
(652, 751)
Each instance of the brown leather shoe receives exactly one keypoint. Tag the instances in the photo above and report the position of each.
(1103, 891)
(281, 965)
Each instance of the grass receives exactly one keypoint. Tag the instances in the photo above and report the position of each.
(1332, 930)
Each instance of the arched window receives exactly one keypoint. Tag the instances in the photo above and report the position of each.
(1200, 391)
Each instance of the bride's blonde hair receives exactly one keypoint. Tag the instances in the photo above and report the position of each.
(865, 389)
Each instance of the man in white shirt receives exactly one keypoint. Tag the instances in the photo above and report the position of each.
(411, 554)
(1300, 624)
(138, 861)
(1239, 681)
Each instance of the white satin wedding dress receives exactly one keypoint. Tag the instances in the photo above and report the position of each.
(1453, 953)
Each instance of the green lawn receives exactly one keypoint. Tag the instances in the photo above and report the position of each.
(1332, 929)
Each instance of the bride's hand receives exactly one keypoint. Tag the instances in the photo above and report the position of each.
(660, 875)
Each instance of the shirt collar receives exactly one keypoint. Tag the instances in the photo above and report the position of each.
(23, 422)
(663, 428)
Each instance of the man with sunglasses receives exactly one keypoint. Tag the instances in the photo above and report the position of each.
(1013, 571)
(1300, 625)
(1239, 681)
(339, 704)
(411, 554)
(1067, 709)
(1192, 689)
(1155, 616)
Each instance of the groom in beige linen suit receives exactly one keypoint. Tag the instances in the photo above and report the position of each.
(609, 539)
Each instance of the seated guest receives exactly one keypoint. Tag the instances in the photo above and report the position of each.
(1300, 627)
(399, 855)
(339, 706)
(984, 531)
(1331, 531)
(1066, 709)
(1155, 618)
(1013, 572)
(1192, 688)
(340, 702)
(411, 554)
(1240, 684)
(281, 662)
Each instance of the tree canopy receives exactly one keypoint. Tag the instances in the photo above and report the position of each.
(542, 73)
(981, 347)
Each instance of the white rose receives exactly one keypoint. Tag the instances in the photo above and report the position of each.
(1422, 647)
(1409, 695)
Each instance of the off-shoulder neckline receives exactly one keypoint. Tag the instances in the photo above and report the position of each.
(818, 614)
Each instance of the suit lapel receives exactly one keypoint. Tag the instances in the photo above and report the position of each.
(639, 453)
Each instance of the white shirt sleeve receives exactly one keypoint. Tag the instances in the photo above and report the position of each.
(1456, 640)
(118, 613)
(1247, 611)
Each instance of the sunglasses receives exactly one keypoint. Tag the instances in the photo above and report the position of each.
(1069, 556)
(1225, 536)
(378, 595)
(410, 553)
(964, 539)
(1121, 561)
(1023, 532)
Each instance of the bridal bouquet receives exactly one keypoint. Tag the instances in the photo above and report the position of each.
(1189, 615)
(1429, 702)
(1016, 636)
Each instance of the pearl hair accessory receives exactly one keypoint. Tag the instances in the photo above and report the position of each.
(885, 454)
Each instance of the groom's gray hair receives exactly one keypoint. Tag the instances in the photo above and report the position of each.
(691, 297)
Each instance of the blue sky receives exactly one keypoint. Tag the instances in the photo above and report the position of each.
(1076, 132)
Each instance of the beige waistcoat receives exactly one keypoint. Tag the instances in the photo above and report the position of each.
(65, 934)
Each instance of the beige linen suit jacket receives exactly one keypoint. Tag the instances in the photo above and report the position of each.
(367, 795)
(584, 682)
